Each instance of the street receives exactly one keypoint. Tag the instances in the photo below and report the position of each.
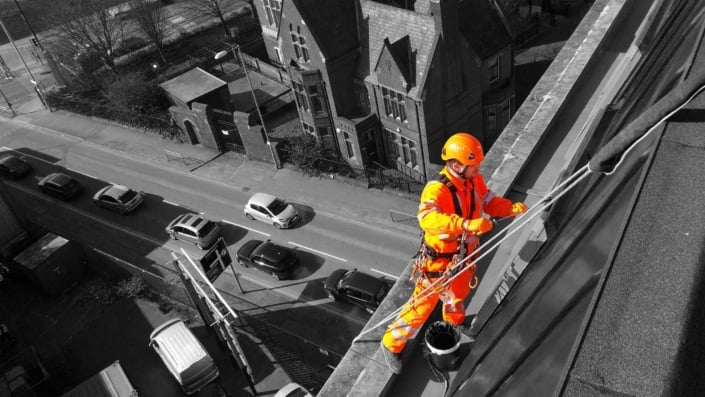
(298, 306)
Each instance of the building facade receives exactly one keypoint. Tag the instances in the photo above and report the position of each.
(385, 83)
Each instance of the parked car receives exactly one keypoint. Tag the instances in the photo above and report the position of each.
(184, 356)
(357, 287)
(195, 229)
(14, 167)
(267, 208)
(60, 186)
(118, 198)
(269, 257)
(293, 390)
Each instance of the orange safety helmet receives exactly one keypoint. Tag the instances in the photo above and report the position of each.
(463, 147)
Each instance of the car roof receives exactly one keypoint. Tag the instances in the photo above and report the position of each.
(363, 281)
(193, 220)
(117, 189)
(59, 178)
(263, 199)
(272, 252)
(177, 340)
(290, 388)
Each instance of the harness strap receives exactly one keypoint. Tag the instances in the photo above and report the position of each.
(454, 193)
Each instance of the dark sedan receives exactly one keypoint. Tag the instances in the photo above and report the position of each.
(357, 287)
(60, 186)
(14, 167)
(269, 257)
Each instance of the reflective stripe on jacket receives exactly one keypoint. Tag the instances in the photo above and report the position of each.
(437, 218)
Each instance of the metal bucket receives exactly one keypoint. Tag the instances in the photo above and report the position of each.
(443, 342)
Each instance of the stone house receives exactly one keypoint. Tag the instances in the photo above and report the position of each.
(385, 83)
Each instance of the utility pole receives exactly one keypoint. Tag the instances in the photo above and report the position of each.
(241, 60)
(9, 105)
(24, 17)
(31, 76)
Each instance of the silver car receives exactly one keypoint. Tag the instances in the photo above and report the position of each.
(194, 229)
(118, 198)
(267, 208)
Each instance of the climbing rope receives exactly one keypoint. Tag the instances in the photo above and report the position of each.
(494, 242)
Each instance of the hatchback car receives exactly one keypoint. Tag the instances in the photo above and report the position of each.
(269, 257)
(195, 229)
(118, 198)
(14, 167)
(270, 209)
(357, 287)
(60, 186)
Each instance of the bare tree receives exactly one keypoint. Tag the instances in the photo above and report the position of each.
(87, 26)
(213, 8)
(151, 20)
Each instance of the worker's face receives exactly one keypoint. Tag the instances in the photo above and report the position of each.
(466, 172)
(470, 171)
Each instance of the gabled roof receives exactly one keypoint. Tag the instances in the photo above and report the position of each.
(400, 52)
(332, 24)
(192, 85)
(380, 22)
(482, 27)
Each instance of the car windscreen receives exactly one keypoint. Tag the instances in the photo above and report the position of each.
(277, 206)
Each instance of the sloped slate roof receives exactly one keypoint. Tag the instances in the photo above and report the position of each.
(482, 27)
(380, 21)
(332, 23)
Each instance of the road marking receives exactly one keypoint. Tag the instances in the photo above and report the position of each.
(82, 173)
(384, 273)
(183, 206)
(248, 228)
(318, 252)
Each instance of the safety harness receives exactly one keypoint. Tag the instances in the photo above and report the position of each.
(426, 251)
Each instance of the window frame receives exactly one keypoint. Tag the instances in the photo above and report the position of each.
(494, 71)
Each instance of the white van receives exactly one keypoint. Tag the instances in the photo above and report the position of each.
(183, 355)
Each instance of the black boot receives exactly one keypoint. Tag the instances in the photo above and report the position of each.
(466, 327)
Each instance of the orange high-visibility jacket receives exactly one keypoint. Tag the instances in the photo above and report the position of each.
(437, 218)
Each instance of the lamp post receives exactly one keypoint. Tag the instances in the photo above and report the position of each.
(241, 61)
(218, 56)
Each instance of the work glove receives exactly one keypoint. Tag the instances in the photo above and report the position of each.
(519, 208)
(477, 226)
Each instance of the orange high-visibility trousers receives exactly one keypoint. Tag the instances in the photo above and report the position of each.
(416, 311)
